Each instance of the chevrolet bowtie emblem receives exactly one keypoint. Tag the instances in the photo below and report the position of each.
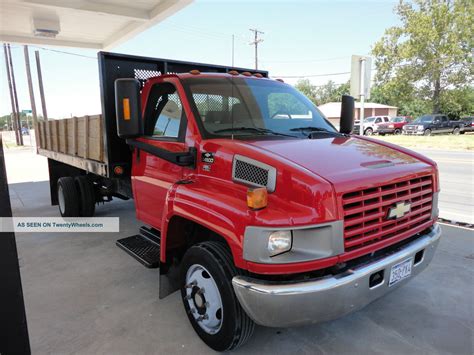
(399, 210)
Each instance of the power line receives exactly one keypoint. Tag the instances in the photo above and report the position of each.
(308, 76)
(305, 61)
(64, 52)
(255, 42)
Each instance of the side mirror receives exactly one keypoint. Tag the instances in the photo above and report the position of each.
(347, 114)
(128, 108)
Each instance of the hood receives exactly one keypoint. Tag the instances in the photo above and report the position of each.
(348, 161)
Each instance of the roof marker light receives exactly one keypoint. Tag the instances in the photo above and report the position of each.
(246, 73)
(233, 72)
(195, 72)
(258, 75)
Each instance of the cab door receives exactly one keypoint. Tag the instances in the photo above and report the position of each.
(153, 177)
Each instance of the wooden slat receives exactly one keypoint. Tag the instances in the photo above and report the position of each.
(74, 135)
(86, 137)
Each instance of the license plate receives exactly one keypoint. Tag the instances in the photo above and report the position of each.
(400, 272)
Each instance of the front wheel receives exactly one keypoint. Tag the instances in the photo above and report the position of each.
(368, 132)
(209, 299)
(397, 132)
(427, 132)
(456, 131)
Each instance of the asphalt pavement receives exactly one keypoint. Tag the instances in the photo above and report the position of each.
(456, 201)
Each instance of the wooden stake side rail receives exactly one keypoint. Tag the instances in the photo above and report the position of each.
(75, 141)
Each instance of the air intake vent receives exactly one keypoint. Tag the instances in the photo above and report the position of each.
(253, 173)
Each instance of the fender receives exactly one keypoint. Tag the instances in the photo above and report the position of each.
(222, 213)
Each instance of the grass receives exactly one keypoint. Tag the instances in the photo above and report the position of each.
(463, 142)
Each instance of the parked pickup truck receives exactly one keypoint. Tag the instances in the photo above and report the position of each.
(254, 206)
(370, 124)
(394, 126)
(433, 124)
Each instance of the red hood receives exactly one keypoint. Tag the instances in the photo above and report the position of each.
(351, 162)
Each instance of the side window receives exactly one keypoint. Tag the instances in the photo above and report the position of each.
(378, 120)
(169, 118)
(164, 112)
(444, 118)
(386, 119)
(287, 106)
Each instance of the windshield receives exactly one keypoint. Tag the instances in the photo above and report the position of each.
(422, 119)
(369, 119)
(397, 119)
(253, 107)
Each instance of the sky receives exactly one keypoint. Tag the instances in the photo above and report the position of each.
(301, 38)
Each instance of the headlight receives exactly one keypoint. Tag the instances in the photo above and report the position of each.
(420, 128)
(279, 242)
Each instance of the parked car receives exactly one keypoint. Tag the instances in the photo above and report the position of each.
(370, 124)
(468, 124)
(433, 124)
(395, 126)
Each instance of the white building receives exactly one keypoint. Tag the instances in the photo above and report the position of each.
(332, 110)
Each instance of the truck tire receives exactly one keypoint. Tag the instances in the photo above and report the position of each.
(68, 197)
(209, 299)
(86, 196)
(368, 132)
(397, 132)
(427, 132)
(456, 131)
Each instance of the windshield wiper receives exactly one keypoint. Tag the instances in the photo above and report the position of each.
(312, 130)
(253, 129)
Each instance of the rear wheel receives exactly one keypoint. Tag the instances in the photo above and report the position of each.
(427, 132)
(68, 197)
(368, 132)
(456, 131)
(209, 299)
(397, 132)
(87, 196)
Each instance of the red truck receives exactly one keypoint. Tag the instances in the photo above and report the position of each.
(255, 207)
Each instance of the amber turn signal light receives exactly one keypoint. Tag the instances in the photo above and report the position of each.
(257, 198)
(126, 109)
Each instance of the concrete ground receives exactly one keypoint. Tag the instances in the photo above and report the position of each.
(84, 295)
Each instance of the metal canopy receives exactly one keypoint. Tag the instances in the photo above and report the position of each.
(101, 24)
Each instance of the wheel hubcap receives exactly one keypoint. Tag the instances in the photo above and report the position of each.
(204, 299)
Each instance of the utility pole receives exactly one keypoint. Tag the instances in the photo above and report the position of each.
(255, 42)
(12, 123)
(32, 95)
(362, 95)
(13, 95)
(233, 40)
(40, 83)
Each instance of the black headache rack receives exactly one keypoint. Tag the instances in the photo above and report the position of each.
(114, 66)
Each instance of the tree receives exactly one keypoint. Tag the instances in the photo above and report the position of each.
(429, 54)
(329, 92)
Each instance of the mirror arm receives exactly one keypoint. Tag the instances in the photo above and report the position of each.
(179, 158)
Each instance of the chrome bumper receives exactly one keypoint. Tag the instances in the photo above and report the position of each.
(279, 304)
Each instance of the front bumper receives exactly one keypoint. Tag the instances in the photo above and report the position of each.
(413, 132)
(284, 304)
(385, 130)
